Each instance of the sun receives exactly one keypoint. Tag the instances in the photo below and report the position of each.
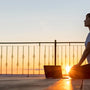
(68, 68)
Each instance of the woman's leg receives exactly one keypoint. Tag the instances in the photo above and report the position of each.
(80, 72)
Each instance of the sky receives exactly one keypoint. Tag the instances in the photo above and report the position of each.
(43, 20)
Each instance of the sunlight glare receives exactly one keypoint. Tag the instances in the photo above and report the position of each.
(68, 68)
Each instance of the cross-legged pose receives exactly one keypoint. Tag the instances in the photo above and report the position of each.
(78, 71)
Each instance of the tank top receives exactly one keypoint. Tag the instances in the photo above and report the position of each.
(88, 40)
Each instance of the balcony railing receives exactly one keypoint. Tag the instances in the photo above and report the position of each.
(30, 57)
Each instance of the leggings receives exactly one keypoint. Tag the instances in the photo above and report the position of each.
(81, 72)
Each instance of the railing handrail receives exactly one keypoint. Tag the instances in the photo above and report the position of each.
(35, 42)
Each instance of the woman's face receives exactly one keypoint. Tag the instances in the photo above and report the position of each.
(87, 21)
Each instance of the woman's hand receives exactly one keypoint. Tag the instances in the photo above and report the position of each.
(75, 66)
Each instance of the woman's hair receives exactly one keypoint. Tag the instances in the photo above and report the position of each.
(88, 15)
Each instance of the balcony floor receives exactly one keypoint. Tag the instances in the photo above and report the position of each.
(41, 83)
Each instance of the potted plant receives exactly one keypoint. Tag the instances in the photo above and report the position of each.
(53, 71)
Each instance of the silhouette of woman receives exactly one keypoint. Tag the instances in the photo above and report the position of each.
(78, 71)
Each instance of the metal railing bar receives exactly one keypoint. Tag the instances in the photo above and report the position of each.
(39, 57)
(45, 55)
(52, 54)
(6, 58)
(57, 55)
(12, 61)
(28, 59)
(48, 55)
(73, 54)
(33, 59)
(77, 54)
(69, 54)
(61, 55)
(23, 61)
(17, 57)
(65, 57)
(35, 42)
(1, 58)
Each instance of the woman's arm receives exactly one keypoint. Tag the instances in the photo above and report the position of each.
(85, 54)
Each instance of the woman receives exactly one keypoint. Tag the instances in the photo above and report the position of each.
(78, 71)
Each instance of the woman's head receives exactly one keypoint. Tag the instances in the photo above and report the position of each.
(87, 20)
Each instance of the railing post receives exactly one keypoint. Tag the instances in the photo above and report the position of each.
(55, 52)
